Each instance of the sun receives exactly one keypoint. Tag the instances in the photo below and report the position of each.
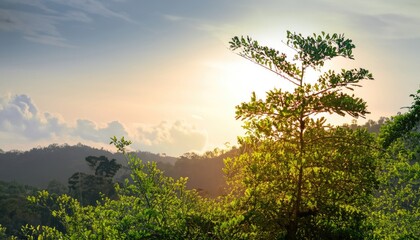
(250, 77)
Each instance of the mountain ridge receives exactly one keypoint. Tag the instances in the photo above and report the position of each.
(38, 166)
(57, 163)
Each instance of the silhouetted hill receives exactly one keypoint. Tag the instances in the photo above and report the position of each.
(39, 166)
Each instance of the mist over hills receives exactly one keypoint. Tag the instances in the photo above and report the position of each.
(39, 166)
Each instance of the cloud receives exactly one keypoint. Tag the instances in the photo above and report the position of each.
(170, 138)
(19, 115)
(22, 123)
(218, 30)
(40, 21)
(88, 130)
(76, 16)
(93, 7)
(173, 18)
(33, 27)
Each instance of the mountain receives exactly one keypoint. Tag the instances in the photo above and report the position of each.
(54, 164)
(38, 166)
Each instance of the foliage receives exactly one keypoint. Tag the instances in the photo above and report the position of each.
(402, 124)
(396, 212)
(299, 177)
(56, 187)
(120, 144)
(5, 236)
(149, 206)
(87, 188)
(15, 211)
(2, 232)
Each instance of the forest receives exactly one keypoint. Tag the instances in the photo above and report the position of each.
(292, 176)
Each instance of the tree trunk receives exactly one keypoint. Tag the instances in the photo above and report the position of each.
(291, 231)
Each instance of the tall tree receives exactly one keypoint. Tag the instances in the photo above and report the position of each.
(103, 166)
(87, 188)
(298, 176)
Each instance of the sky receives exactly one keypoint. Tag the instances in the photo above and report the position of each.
(161, 73)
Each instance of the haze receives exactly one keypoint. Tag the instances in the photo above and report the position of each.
(160, 72)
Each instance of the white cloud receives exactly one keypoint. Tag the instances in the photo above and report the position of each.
(22, 123)
(171, 138)
(19, 115)
(88, 130)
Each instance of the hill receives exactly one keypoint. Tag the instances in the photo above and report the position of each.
(56, 163)
(38, 166)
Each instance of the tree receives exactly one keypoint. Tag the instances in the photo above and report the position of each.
(396, 210)
(14, 209)
(56, 187)
(103, 166)
(149, 206)
(402, 124)
(87, 187)
(297, 176)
